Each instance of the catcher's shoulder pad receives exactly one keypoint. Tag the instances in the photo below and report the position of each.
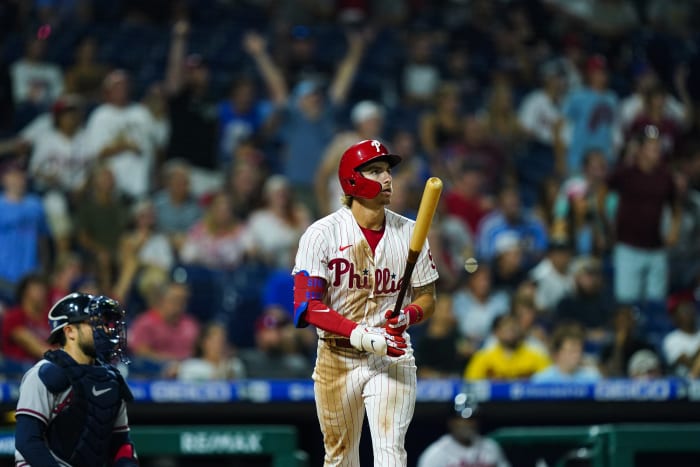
(53, 377)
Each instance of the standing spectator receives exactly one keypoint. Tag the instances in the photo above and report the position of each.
(213, 358)
(36, 83)
(420, 77)
(615, 356)
(681, 347)
(24, 233)
(578, 212)
(176, 208)
(463, 445)
(501, 118)
(219, 240)
(101, 219)
(85, 76)
(25, 327)
(477, 147)
(308, 121)
(591, 113)
(509, 359)
(275, 354)
(475, 306)
(165, 333)
(245, 115)
(645, 187)
(192, 113)
(510, 216)
(464, 198)
(588, 303)
(441, 126)
(59, 166)
(567, 355)
(540, 117)
(124, 134)
(276, 228)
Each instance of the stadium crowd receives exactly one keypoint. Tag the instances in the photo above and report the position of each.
(170, 154)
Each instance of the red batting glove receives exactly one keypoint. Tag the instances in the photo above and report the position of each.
(395, 345)
(396, 326)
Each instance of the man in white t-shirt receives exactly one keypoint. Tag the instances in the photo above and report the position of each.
(35, 81)
(682, 345)
(125, 134)
(463, 445)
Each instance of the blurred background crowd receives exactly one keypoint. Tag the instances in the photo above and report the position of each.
(171, 153)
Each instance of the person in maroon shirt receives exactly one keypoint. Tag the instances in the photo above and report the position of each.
(645, 187)
(25, 327)
(465, 199)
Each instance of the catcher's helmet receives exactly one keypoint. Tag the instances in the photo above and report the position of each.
(357, 155)
(105, 315)
(72, 308)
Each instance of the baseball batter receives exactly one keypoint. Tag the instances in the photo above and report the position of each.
(346, 280)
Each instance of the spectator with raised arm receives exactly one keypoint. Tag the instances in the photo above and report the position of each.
(308, 121)
(124, 134)
(192, 112)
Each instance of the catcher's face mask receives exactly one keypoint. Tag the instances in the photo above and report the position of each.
(109, 329)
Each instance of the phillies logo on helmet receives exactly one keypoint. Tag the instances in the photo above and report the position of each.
(385, 281)
(354, 157)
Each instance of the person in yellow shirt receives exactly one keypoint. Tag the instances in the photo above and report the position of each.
(509, 358)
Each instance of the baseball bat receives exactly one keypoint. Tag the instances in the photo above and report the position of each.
(426, 210)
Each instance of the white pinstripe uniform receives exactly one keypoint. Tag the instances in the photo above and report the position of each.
(361, 287)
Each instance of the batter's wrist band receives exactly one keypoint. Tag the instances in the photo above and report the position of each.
(414, 312)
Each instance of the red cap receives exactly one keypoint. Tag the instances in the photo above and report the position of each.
(596, 63)
(678, 298)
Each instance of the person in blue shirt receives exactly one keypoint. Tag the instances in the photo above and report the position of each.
(24, 230)
(592, 116)
(511, 217)
(567, 356)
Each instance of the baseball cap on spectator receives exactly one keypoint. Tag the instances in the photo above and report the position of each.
(648, 132)
(505, 242)
(643, 363)
(365, 110)
(585, 264)
(65, 103)
(596, 63)
(551, 69)
(306, 87)
(679, 298)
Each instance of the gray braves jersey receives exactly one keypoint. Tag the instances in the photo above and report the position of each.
(37, 401)
(446, 452)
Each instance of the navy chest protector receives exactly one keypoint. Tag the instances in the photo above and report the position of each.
(80, 434)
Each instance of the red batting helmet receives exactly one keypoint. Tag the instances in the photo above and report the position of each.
(357, 155)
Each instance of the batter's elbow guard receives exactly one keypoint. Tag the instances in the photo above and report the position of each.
(306, 288)
(299, 312)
